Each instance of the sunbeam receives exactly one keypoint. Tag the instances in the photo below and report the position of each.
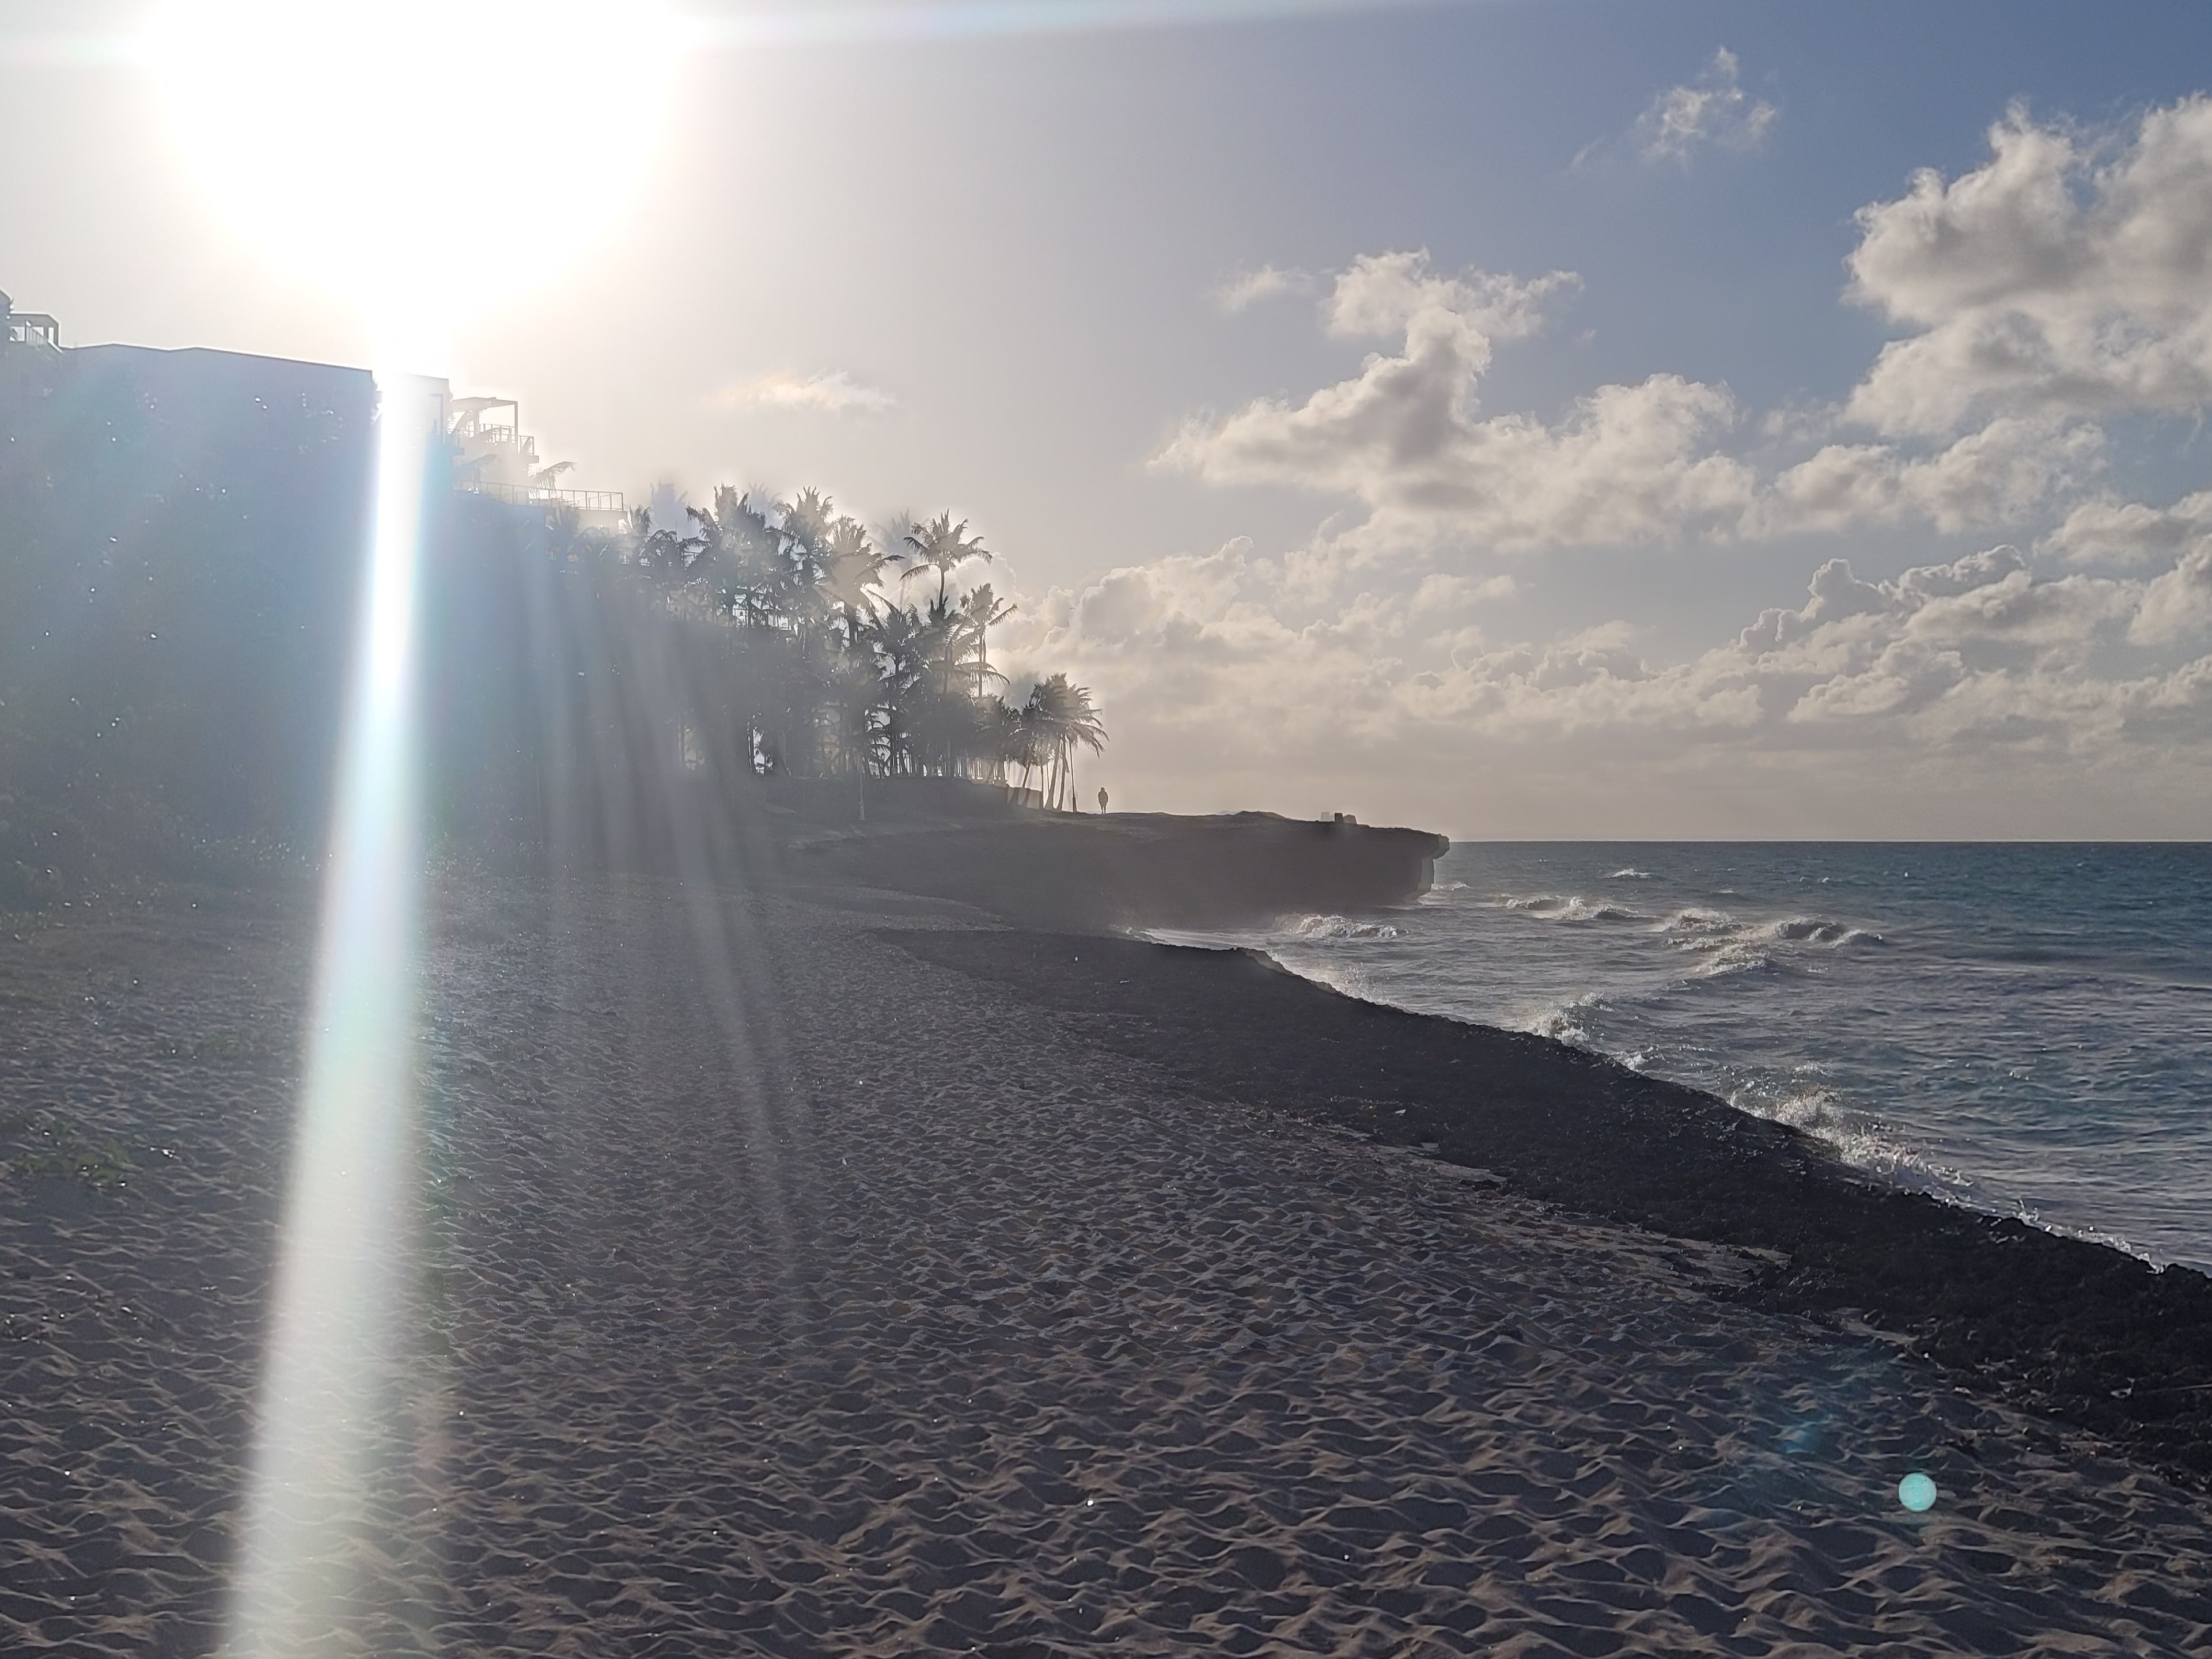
(336, 140)
(345, 1205)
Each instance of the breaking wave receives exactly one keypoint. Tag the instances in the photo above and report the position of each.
(2009, 1033)
(1862, 1140)
(1556, 906)
(1313, 930)
(1566, 1022)
(1728, 945)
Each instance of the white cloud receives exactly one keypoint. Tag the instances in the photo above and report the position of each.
(2106, 531)
(1714, 110)
(2177, 605)
(1404, 436)
(2000, 474)
(2068, 275)
(1652, 462)
(1249, 287)
(834, 393)
(1383, 293)
(1980, 656)
(2068, 280)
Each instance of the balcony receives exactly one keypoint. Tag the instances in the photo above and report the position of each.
(34, 329)
(584, 501)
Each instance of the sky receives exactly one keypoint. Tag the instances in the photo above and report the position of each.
(1519, 418)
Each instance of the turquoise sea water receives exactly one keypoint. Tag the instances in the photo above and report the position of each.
(2021, 1029)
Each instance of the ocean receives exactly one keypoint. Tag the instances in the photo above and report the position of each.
(2025, 1029)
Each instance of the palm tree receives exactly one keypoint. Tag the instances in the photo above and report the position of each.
(854, 568)
(978, 612)
(1060, 716)
(663, 552)
(940, 545)
(1001, 738)
(896, 646)
(826, 674)
(809, 517)
(741, 548)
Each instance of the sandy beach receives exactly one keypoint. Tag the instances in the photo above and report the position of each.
(831, 1271)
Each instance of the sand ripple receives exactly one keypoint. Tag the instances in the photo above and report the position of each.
(776, 1293)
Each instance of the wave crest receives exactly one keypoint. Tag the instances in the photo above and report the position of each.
(1566, 1022)
(1314, 930)
(1567, 907)
(1859, 1139)
(1730, 946)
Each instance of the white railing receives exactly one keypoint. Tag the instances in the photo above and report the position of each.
(584, 501)
(35, 328)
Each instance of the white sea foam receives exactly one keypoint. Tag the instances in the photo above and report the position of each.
(1814, 1006)
(1860, 1139)
(1563, 1022)
(1730, 946)
(1817, 930)
(1346, 978)
(1314, 930)
(1567, 907)
(1732, 958)
(1696, 922)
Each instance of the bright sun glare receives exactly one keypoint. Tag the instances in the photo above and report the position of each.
(422, 161)
(420, 158)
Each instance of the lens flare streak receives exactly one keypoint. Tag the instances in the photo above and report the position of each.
(342, 1231)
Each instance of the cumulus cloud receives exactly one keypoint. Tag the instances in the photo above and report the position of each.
(834, 393)
(2177, 605)
(2068, 279)
(1383, 293)
(2068, 275)
(1249, 287)
(2000, 474)
(2108, 532)
(1713, 111)
(1973, 653)
(1627, 463)
(1977, 656)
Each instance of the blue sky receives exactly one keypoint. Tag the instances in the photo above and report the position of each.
(996, 272)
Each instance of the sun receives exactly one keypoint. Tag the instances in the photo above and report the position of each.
(424, 161)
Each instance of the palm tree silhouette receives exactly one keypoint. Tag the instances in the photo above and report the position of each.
(855, 566)
(1061, 718)
(941, 545)
(979, 611)
(829, 674)
(666, 554)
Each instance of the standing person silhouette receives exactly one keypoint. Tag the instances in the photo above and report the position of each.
(1101, 798)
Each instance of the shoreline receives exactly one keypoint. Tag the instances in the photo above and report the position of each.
(2076, 1329)
(785, 1282)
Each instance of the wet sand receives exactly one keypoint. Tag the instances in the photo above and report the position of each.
(823, 1273)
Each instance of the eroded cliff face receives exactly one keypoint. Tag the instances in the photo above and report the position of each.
(1125, 870)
